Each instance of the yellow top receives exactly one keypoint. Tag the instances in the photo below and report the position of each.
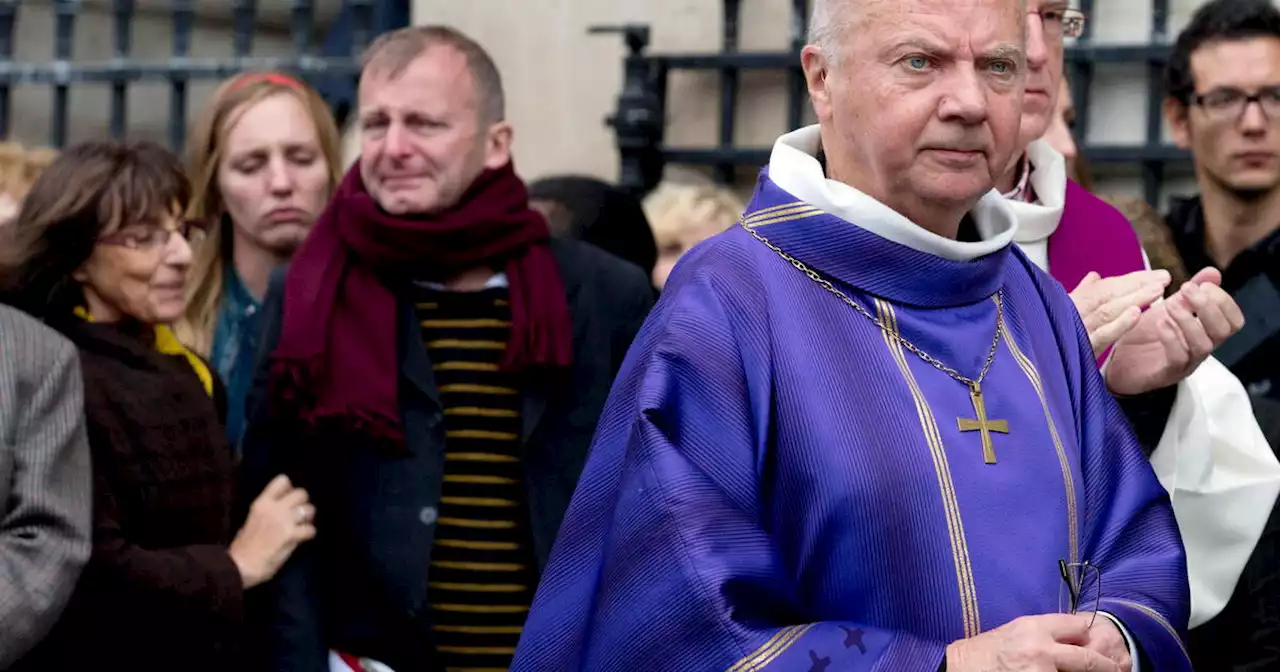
(168, 344)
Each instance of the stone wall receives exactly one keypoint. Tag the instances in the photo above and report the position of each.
(562, 82)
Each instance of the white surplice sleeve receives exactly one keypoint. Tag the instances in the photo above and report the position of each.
(1223, 479)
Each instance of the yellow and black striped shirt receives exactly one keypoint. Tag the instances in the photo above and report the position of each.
(482, 571)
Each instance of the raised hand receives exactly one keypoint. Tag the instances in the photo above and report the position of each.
(1174, 336)
(1111, 307)
(279, 519)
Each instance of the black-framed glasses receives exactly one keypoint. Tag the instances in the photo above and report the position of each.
(1080, 589)
(1061, 23)
(1229, 104)
(154, 237)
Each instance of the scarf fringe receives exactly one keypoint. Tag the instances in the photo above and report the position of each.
(291, 392)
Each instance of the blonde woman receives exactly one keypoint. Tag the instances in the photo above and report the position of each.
(264, 158)
(19, 168)
(683, 215)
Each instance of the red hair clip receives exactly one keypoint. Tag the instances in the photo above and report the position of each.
(271, 77)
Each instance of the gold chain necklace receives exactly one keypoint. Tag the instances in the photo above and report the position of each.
(981, 424)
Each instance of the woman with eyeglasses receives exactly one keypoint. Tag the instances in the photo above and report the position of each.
(99, 252)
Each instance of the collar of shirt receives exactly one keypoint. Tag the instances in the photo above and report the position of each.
(498, 280)
(1023, 190)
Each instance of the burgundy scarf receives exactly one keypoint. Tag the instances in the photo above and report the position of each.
(336, 363)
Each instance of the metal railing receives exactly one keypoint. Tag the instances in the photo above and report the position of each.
(336, 66)
(640, 127)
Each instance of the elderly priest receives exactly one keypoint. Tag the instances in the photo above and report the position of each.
(857, 435)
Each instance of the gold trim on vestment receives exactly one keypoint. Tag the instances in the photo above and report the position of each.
(770, 650)
(777, 214)
(1155, 616)
(955, 524)
(1069, 481)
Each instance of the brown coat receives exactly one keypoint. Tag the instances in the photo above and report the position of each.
(160, 591)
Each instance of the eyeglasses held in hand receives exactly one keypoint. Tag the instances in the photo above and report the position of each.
(1081, 586)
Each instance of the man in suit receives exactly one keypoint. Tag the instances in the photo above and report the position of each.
(436, 365)
(45, 503)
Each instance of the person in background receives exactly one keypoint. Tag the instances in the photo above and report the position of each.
(596, 212)
(683, 215)
(1223, 104)
(19, 167)
(1059, 134)
(1154, 236)
(437, 364)
(99, 252)
(264, 158)
(45, 504)
(1191, 415)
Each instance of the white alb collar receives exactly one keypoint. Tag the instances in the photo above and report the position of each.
(793, 166)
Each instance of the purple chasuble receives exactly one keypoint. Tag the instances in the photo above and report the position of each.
(1092, 236)
(777, 484)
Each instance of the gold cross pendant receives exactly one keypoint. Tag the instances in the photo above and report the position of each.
(982, 424)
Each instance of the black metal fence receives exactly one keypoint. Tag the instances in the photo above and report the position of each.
(640, 125)
(330, 62)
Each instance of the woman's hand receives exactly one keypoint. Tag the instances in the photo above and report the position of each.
(279, 519)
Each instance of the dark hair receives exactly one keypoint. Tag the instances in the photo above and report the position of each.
(392, 52)
(1216, 21)
(599, 213)
(91, 189)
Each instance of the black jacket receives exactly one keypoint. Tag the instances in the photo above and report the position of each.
(361, 585)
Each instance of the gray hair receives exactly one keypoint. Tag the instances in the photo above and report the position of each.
(827, 24)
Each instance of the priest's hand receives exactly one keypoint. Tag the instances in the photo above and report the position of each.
(1174, 336)
(1047, 643)
(1111, 307)
(1106, 639)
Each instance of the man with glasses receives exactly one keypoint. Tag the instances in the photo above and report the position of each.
(1223, 104)
(1191, 414)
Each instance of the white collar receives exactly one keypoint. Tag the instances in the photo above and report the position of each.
(1048, 173)
(793, 166)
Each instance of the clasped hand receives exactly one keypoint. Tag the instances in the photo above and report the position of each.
(1047, 643)
(1166, 343)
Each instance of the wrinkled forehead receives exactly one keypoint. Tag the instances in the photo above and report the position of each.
(435, 81)
(965, 28)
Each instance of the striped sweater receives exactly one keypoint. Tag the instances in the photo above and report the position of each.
(482, 574)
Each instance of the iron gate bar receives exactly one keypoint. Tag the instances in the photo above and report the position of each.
(1153, 171)
(242, 12)
(184, 18)
(123, 47)
(729, 82)
(64, 31)
(179, 70)
(798, 93)
(302, 24)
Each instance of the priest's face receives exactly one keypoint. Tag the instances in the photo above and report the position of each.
(423, 136)
(920, 100)
(1045, 42)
